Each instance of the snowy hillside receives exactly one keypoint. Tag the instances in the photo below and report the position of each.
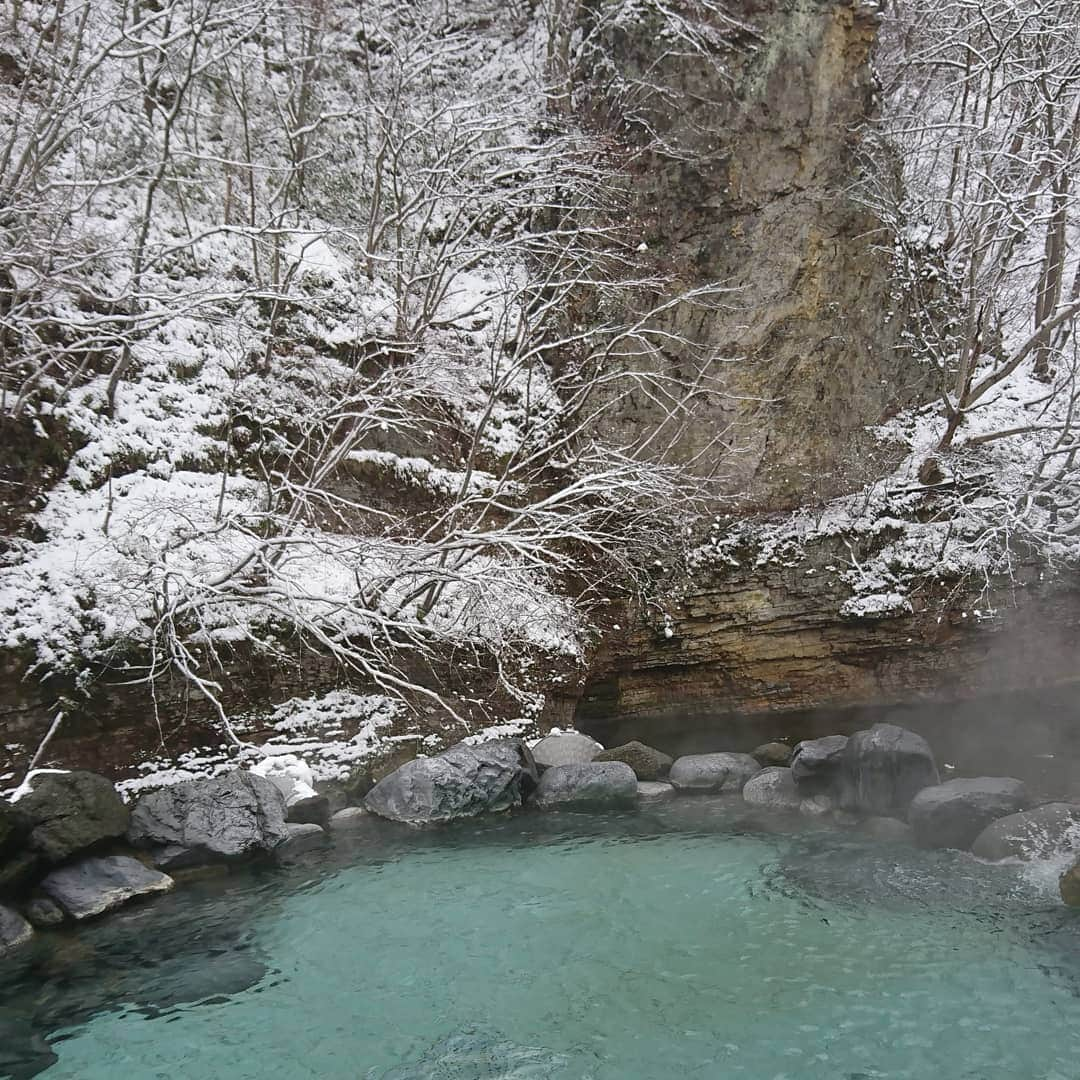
(332, 329)
(297, 282)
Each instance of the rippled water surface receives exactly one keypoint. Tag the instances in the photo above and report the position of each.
(688, 941)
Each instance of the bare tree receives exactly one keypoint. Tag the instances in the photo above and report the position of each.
(364, 246)
(973, 170)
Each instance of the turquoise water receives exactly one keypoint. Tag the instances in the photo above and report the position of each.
(690, 941)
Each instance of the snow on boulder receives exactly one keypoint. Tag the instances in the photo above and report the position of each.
(460, 782)
(226, 817)
(951, 815)
(713, 772)
(599, 783)
(565, 748)
(290, 774)
(95, 885)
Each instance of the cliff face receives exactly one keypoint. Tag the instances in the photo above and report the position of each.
(812, 326)
(759, 650)
(752, 190)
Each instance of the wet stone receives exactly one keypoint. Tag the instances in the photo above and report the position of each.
(600, 783)
(14, 930)
(721, 773)
(66, 813)
(773, 753)
(566, 748)
(94, 886)
(303, 836)
(951, 815)
(44, 913)
(648, 763)
(773, 788)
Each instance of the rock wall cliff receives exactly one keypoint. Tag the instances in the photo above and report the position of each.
(749, 185)
(811, 330)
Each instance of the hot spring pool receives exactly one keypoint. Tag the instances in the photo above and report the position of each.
(685, 941)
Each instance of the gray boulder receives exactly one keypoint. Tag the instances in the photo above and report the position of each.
(174, 857)
(568, 748)
(460, 782)
(314, 810)
(11, 832)
(230, 816)
(774, 788)
(44, 913)
(66, 813)
(303, 836)
(888, 829)
(14, 930)
(647, 762)
(599, 783)
(773, 753)
(19, 870)
(95, 885)
(1031, 834)
(713, 772)
(951, 815)
(884, 768)
(653, 791)
(817, 765)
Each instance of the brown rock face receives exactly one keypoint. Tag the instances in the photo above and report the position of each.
(1069, 885)
(756, 198)
(760, 199)
(763, 651)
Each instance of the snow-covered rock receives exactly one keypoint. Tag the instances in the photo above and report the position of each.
(290, 774)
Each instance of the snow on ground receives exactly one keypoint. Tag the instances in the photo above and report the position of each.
(318, 740)
(164, 509)
(976, 523)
